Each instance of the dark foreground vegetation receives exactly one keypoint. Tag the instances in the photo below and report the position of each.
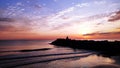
(108, 48)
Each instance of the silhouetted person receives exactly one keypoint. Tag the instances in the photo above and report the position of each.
(67, 38)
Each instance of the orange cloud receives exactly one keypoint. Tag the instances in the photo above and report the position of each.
(107, 35)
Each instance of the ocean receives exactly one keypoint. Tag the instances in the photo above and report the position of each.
(41, 54)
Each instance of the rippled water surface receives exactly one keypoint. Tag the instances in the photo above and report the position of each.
(40, 54)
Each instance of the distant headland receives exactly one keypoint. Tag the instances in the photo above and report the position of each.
(108, 47)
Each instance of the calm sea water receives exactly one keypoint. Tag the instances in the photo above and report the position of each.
(40, 54)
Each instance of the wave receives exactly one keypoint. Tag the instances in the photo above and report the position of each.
(48, 60)
(10, 58)
(27, 50)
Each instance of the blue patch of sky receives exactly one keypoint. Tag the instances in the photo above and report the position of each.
(53, 6)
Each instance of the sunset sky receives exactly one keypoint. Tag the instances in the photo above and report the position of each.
(51, 19)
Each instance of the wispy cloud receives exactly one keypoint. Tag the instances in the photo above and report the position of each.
(6, 19)
(6, 28)
(37, 6)
(12, 29)
(14, 24)
(100, 34)
(82, 5)
(115, 16)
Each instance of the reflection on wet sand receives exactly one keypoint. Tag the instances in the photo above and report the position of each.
(107, 66)
(85, 62)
